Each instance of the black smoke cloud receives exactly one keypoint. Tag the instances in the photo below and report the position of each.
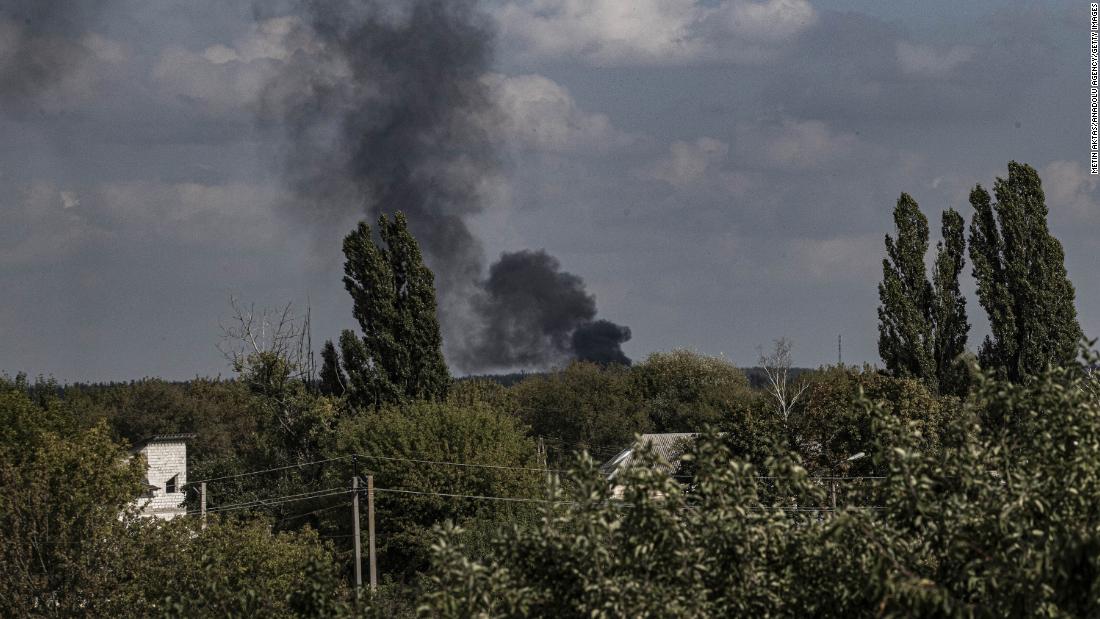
(383, 116)
(40, 46)
(534, 313)
(385, 109)
(601, 341)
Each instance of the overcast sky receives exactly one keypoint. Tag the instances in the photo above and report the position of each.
(721, 173)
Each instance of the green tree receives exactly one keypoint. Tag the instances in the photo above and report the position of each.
(923, 325)
(584, 406)
(333, 380)
(950, 326)
(399, 355)
(65, 494)
(1021, 275)
(906, 342)
(683, 391)
(833, 426)
(404, 446)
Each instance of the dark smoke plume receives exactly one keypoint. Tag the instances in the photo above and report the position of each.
(385, 116)
(534, 313)
(39, 46)
(385, 109)
(601, 341)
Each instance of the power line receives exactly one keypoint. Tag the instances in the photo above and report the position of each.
(462, 464)
(312, 513)
(289, 498)
(278, 468)
(469, 496)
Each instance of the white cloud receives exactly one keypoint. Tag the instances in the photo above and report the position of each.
(42, 228)
(271, 39)
(537, 113)
(927, 61)
(1068, 185)
(235, 214)
(805, 143)
(622, 32)
(850, 258)
(688, 163)
(220, 85)
(232, 76)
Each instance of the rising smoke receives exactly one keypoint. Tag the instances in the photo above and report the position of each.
(534, 313)
(385, 109)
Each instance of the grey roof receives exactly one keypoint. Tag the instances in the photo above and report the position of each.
(667, 446)
(164, 438)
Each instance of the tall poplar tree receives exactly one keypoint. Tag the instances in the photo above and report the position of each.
(922, 324)
(905, 323)
(399, 355)
(949, 307)
(1021, 275)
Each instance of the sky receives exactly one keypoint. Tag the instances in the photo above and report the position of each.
(720, 173)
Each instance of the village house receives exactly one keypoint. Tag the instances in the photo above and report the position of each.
(669, 447)
(166, 475)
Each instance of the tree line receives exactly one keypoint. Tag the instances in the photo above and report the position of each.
(946, 484)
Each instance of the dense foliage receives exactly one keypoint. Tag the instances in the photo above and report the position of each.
(922, 324)
(72, 544)
(999, 520)
(1021, 275)
(398, 356)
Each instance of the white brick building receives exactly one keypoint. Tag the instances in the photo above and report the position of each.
(166, 457)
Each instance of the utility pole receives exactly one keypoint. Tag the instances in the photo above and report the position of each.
(839, 351)
(202, 503)
(370, 534)
(543, 462)
(355, 535)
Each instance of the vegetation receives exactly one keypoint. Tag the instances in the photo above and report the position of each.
(1021, 275)
(999, 521)
(937, 487)
(399, 356)
(922, 324)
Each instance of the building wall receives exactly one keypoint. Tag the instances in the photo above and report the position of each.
(165, 460)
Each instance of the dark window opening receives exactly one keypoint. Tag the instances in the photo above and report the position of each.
(170, 485)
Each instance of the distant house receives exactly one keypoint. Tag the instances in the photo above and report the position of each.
(166, 476)
(668, 446)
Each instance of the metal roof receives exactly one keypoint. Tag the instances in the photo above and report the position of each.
(667, 446)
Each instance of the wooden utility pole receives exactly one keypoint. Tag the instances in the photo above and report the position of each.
(355, 535)
(370, 534)
(202, 503)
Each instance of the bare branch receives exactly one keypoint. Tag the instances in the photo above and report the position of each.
(777, 367)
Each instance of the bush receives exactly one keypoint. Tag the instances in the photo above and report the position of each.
(390, 441)
(995, 521)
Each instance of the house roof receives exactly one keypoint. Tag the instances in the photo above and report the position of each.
(163, 438)
(667, 446)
